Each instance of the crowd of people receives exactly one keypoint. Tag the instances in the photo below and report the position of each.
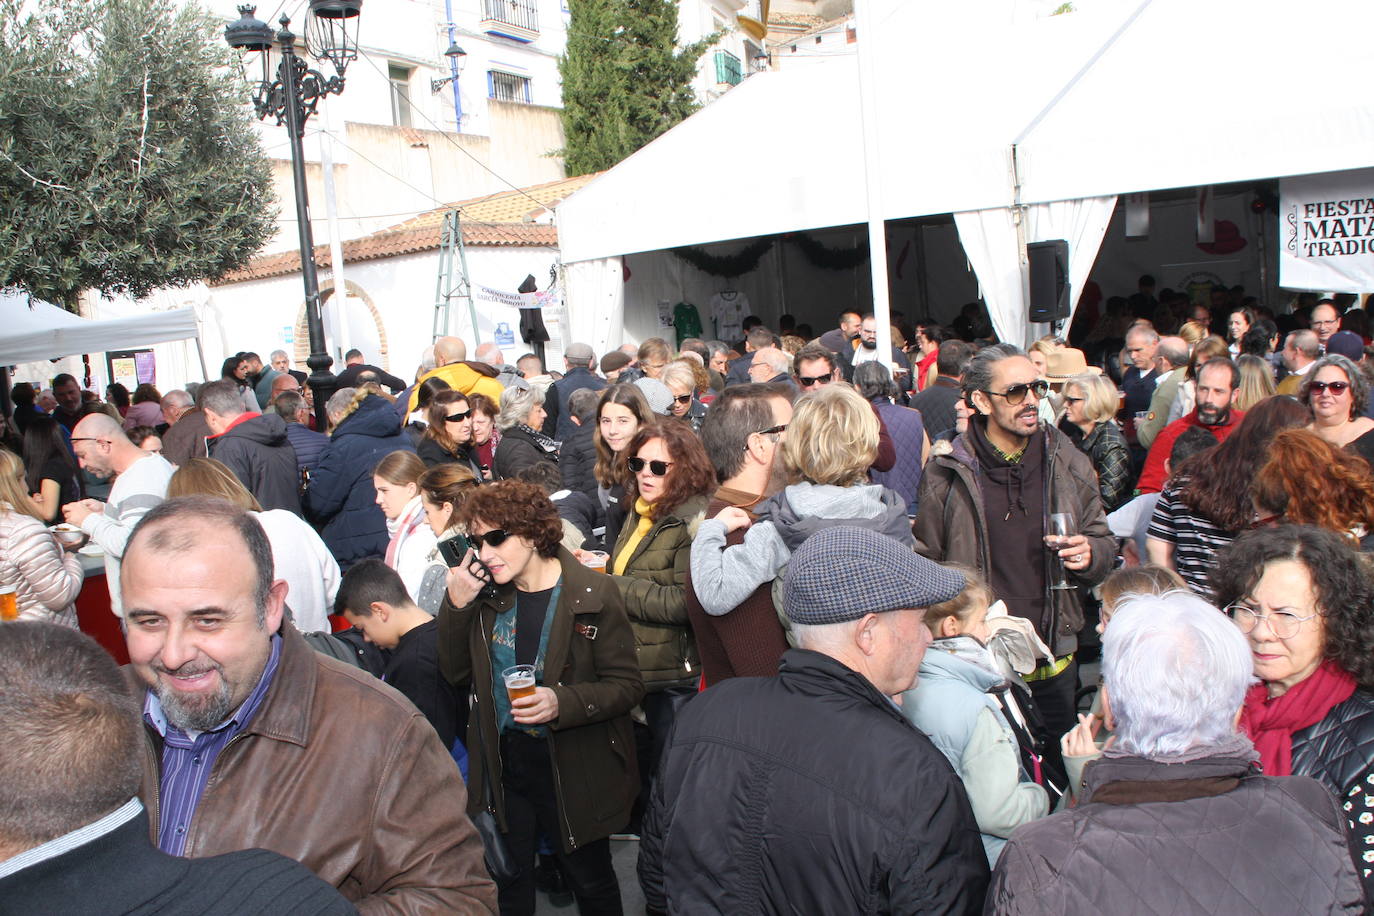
(1086, 627)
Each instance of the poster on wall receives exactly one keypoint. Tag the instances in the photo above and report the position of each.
(1327, 232)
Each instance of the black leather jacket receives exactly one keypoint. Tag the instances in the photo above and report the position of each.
(1339, 753)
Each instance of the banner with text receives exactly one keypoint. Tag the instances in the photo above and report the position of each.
(501, 297)
(1327, 232)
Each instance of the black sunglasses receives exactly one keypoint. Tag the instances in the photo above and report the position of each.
(493, 538)
(1015, 394)
(806, 381)
(657, 468)
(682, 398)
(458, 417)
(1319, 387)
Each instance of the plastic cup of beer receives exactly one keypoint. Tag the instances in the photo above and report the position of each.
(519, 681)
(595, 559)
(9, 602)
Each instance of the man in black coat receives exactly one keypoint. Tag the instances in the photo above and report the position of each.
(355, 372)
(73, 835)
(254, 446)
(810, 791)
(578, 358)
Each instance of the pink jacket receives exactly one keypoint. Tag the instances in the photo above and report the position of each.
(48, 578)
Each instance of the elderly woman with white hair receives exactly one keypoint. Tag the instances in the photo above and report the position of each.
(1176, 813)
(522, 444)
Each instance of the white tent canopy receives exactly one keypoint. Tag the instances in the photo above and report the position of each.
(1133, 96)
(39, 331)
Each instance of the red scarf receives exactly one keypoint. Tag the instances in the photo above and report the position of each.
(1271, 723)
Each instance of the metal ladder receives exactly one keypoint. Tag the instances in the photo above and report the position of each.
(453, 282)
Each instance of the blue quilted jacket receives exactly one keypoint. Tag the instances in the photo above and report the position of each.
(341, 497)
(906, 427)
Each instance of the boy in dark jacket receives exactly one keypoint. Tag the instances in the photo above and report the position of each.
(373, 598)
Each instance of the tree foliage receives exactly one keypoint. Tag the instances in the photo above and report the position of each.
(625, 80)
(127, 161)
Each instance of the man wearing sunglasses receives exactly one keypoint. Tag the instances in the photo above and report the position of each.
(1218, 386)
(814, 366)
(986, 503)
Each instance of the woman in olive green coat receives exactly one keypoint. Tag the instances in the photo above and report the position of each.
(561, 760)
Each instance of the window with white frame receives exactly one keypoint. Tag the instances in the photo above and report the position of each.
(508, 87)
(399, 76)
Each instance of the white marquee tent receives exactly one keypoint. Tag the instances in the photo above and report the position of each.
(986, 118)
(40, 331)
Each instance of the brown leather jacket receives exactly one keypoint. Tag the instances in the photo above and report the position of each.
(341, 773)
(591, 743)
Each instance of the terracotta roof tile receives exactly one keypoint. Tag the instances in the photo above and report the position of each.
(504, 219)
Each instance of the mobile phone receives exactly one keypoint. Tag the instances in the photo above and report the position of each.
(453, 550)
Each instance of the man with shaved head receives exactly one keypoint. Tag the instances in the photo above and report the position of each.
(450, 353)
(141, 484)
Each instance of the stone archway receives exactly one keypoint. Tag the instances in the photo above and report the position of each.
(301, 347)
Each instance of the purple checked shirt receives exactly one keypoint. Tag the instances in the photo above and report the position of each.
(187, 757)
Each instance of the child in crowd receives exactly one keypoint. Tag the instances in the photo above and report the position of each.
(373, 598)
(1084, 742)
(961, 701)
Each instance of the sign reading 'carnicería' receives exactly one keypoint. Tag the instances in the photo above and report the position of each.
(1328, 231)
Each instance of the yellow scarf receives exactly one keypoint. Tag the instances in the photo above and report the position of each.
(642, 510)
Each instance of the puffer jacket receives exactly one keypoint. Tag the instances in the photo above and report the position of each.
(954, 703)
(47, 578)
(1265, 845)
(597, 683)
(577, 461)
(263, 459)
(907, 428)
(951, 527)
(341, 496)
(653, 588)
(1338, 752)
(1106, 448)
(806, 793)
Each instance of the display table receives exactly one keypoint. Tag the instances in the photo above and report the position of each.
(93, 612)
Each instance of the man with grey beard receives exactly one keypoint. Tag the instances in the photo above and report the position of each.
(743, 434)
(255, 740)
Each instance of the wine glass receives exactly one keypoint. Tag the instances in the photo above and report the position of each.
(1060, 530)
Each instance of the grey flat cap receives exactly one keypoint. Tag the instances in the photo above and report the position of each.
(842, 573)
(578, 351)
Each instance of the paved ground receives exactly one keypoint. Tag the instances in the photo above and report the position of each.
(624, 854)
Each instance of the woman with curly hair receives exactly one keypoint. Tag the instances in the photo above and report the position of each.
(557, 760)
(1309, 481)
(1336, 392)
(448, 432)
(1204, 506)
(620, 413)
(1304, 599)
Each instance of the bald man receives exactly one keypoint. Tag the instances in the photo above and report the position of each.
(140, 484)
(450, 353)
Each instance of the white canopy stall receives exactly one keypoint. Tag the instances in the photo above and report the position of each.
(994, 121)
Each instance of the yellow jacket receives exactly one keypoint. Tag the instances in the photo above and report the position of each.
(460, 377)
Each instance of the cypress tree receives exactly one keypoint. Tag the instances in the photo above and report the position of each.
(625, 80)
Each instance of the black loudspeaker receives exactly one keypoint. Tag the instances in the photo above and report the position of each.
(1049, 280)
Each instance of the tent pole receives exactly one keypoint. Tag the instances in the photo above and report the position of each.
(866, 26)
(200, 351)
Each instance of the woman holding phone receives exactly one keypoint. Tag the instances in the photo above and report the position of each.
(443, 489)
(558, 760)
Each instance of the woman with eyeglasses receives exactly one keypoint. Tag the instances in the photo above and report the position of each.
(620, 413)
(1207, 502)
(1089, 421)
(670, 481)
(681, 380)
(397, 481)
(522, 444)
(1336, 393)
(559, 759)
(1304, 599)
(448, 433)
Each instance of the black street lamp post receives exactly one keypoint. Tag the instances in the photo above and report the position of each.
(291, 93)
